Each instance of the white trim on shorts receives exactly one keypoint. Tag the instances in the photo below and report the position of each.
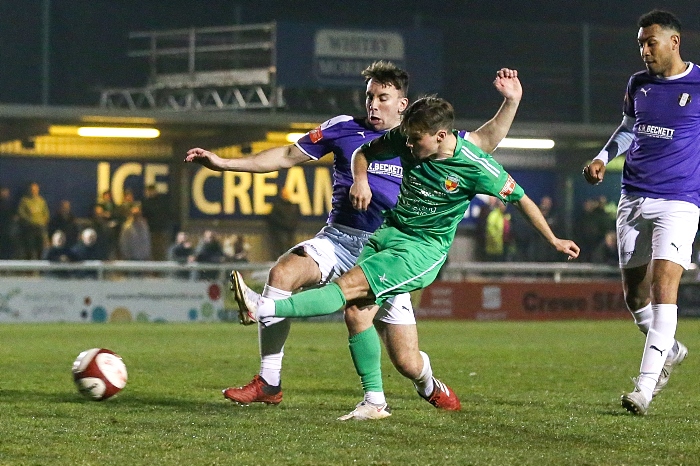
(650, 229)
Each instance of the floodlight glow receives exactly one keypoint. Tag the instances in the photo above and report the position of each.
(526, 143)
(294, 137)
(105, 132)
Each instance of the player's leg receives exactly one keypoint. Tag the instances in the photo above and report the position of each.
(291, 271)
(660, 339)
(366, 353)
(634, 251)
(309, 303)
(391, 263)
(396, 324)
(674, 227)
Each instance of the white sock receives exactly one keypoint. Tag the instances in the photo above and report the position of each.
(424, 383)
(375, 398)
(660, 341)
(272, 337)
(643, 317)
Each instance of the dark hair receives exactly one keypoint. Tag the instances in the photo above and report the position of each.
(428, 115)
(665, 19)
(385, 72)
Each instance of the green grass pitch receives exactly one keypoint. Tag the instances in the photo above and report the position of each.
(532, 393)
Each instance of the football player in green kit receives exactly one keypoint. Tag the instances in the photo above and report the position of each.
(442, 172)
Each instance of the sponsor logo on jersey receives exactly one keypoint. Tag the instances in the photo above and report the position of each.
(684, 99)
(655, 131)
(385, 169)
(508, 188)
(645, 91)
(451, 183)
(316, 135)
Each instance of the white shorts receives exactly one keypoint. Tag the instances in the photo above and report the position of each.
(649, 228)
(335, 249)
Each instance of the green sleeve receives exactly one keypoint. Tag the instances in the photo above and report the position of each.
(499, 183)
(388, 146)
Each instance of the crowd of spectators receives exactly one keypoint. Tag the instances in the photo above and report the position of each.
(132, 230)
(502, 235)
(143, 230)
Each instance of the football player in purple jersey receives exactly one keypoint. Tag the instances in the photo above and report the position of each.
(335, 248)
(657, 216)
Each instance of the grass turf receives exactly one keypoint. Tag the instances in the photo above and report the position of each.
(532, 393)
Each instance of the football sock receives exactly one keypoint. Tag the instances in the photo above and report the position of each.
(366, 352)
(276, 294)
(424, 383)
(272, 336)
(643, 317)
(660, 340)
(315, 302)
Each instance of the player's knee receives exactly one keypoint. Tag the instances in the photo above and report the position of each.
(356, 320)
(284, 276)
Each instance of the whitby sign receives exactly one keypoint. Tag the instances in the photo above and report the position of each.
(341, 55)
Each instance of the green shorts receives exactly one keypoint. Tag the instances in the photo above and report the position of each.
(396, 263)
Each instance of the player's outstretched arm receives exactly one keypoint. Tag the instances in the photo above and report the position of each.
(491, 133)
(533, 214)
(269, 160)
(618, 144)
(360, 192)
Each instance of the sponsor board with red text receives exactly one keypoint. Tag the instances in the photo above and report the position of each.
(498, 300)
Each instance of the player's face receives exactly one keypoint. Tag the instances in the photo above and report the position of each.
(658, 47)
(384, 104)
(422, 145)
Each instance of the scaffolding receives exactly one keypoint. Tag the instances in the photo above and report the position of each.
(212, 68)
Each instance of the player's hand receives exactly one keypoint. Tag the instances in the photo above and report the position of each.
(508, 84)
(204, 158)
(568, 247)
(594, 172)
(360, 195)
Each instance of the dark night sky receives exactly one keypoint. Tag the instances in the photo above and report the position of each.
(89, 37)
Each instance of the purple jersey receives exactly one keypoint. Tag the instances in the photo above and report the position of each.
(342, 135)
(664, 158)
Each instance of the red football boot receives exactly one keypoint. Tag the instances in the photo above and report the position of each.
(257, 391)
(443, 397)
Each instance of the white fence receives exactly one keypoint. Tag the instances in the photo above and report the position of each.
(119, 291)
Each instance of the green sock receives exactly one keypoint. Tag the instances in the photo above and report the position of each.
(309, 303)
(366, 354)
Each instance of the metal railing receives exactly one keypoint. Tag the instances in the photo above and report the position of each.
(457, 271)
(106, 270)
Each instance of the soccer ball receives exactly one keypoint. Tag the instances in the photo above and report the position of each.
(99, 373)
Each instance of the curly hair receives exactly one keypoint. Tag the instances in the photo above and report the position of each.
(665, 19)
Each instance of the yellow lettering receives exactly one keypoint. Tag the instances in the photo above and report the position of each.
(263, 189)
(103, 172)
(120, 175)
(201, 202)
(154, 170)
(323, 191)
(295, 184)
(236, 186)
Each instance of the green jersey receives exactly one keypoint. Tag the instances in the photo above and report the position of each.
(435, 194)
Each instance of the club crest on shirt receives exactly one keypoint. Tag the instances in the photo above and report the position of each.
(316, 135)
(508, 187)
(684, 99)
(451, 183)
